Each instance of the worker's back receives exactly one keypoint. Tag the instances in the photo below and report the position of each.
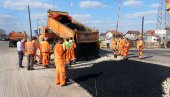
(29, 48)
(45, 47)
(35, 44)
(58, 51)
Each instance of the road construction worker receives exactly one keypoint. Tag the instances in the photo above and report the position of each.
(34, 40)
(40, 57)
(126, 48)
(114, 45)
(67, 47)
(45, 50)
(121, 45)
(140, 46)
(72, 51)
(59, 58)
(30, 50)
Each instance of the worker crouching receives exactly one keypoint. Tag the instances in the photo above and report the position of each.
(45, 50)
(59, 57)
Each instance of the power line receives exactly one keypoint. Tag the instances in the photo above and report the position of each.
(162, 17)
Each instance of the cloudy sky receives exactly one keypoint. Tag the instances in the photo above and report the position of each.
(99, 14)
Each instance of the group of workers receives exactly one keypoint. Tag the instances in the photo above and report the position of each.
(121, 46)
(64, 55)
(29, 47)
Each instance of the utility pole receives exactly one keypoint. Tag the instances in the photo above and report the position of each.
(53, 5)
(117, 25)
(142, 26)
(30, 21)
(37, 26)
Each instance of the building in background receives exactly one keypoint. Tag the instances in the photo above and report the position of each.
(107, 37)
(132, 35)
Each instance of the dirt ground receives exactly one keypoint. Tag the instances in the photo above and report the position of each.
(16, 82)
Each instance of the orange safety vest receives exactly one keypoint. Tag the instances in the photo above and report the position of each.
(45, 47)
(29, 48)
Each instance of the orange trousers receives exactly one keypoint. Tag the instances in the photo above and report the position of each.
(120, 51)
(45, 58)
(140, 52)
(114, 47)
(126, 52)
(73, 57)
(35, 55)
(40, 58)
(60, 71)
(68, 57)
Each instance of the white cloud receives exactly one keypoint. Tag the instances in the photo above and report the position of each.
(82, 17)
(155, 5)
(140, 14)
(6, 17)
(91, 4)
(132, 3)
(10, 23)
(22, 4)
(71, 4)
(39, 15)
(150, 22)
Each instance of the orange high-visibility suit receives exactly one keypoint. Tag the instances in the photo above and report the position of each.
(114, 44)
(140, 47)
(59, 63)
(121, 45)
(36, 48)
(126, 48)
(45, 50)
(73, 57)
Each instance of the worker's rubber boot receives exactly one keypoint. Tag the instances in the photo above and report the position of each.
(125, 58)
(74, 61)
(28, 68)
(67, 79)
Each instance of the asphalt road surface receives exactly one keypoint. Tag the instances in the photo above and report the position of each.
(122, 79)
(155, 52)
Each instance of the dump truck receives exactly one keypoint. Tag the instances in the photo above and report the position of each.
(14, 36)
(60, 24)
